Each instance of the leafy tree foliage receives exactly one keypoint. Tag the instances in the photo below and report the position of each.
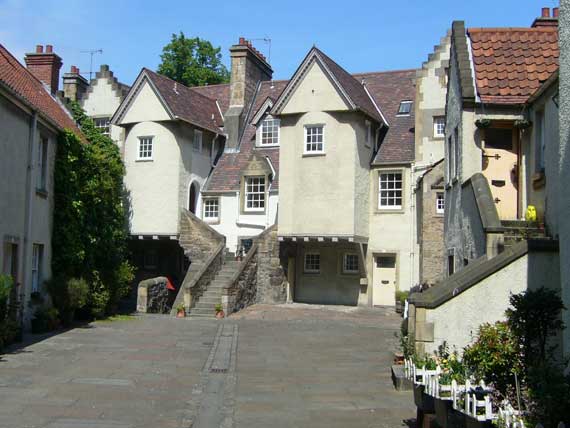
(89, 231)
(192, 62)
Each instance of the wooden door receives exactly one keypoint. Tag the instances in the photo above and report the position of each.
(500, 167)
(384, 280)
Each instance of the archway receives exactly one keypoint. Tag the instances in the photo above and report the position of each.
(193, 197)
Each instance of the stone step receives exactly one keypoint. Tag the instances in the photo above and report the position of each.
(206, 306)
(203, 311)
(210, 299)
(198, 315)
(211, 293)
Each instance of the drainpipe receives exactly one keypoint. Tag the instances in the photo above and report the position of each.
(28, 209)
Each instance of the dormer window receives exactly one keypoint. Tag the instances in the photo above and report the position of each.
(269, 134)
(405, 108)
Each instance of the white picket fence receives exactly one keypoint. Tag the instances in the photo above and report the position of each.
(463, 396)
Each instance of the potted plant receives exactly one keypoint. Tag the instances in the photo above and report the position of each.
(219, 311)
(180, 311)
(401, 297)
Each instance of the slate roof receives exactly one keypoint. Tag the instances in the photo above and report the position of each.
(389, 88)
(511, 63)
(227, 174)
(18, 80)
(187, 103)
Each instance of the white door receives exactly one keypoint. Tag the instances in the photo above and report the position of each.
(384, 280)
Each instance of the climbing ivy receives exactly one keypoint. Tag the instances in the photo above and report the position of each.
(89, 230)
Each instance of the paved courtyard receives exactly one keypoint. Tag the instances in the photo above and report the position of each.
(268, 366)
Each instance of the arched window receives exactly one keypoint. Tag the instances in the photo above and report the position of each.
(193, 197)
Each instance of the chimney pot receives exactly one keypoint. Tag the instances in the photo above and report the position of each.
(242, 41)
(39, 49)
(545, 12)
(45, 66)
(555, 12)
(49, 49)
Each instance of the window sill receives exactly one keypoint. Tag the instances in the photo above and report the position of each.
(438, 137)
(385, 211)
(42, 193)
(212, 221)
(144, 160)
(310, 155)
(267, 146)
(248, 212)
(311, 273)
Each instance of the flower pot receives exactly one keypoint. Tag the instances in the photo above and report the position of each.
(399, 308)
(220, 315)
(181, 313)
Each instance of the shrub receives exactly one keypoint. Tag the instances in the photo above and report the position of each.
(78, 292)
(45, 320)
(9, 327)
(495, 355)
(401, 296)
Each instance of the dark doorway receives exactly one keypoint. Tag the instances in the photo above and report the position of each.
(193, 197)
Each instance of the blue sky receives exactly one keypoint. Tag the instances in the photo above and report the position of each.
(360, 35)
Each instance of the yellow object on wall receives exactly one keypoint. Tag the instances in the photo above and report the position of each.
(530, 213)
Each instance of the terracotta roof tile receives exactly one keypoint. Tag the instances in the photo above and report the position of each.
(24, 85)
(511, 63)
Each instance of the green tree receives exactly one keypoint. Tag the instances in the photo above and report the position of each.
(193, 62)
(90, 231)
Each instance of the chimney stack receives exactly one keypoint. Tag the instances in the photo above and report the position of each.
(74, 84)
(249, 67)
(45, 66)
(545, 20)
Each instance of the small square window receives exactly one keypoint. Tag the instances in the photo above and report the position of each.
(314, 139)
(102, 124)
(390, 191)
(312, 262)
(439, 126)
(197, 142)
(211, 209)
(269, 132)
(440, 203)
(350, 263)
(405, 108)
(254, 194)
(145, 148)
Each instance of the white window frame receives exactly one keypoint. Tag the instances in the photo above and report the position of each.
(207, 211)
(42, 162)
(383, 207)
(248, 192)
(410, 103)
(440, 202)
(437, 122)
(345, 258)
(197, 141)
(105, 128)
(307, 269)
(149, 151)
(368, 137)
(37, 262)
(275, 123)
(305, 142)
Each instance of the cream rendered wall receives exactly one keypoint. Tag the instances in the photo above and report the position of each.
(391, 232)
(314, 93)
(14, 140)
(153, 186)
(103, 101)
(457, 320)
(314, 187)
(145, 107)
(234, 225)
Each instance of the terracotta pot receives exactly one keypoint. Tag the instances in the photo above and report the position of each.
(181, 314)
(220, 315)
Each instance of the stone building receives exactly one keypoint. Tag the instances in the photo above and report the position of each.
(501, 128)
(31, 118)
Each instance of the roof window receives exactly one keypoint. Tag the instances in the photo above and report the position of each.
(405, 108)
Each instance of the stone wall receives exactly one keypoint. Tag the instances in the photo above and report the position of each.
(432, 248)
(271, 277)
(153, 297)
(243, 290)
(197, 238)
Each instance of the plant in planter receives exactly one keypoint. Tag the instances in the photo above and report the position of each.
(180, 310)
(483, 123)
(401, 297)
(219, 311)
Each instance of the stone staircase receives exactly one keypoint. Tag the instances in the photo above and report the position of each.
(206, 304)
(520, 230)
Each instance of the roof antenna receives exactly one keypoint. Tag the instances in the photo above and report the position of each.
(92, 52)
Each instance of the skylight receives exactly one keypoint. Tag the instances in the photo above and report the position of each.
(405, 108)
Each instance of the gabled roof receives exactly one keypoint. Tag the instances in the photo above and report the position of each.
(181, 102)
(511, 63)
(351, 90)
(20, 82)
(388, 89)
